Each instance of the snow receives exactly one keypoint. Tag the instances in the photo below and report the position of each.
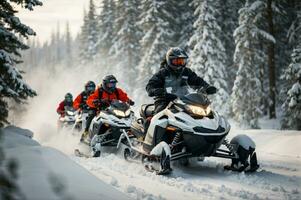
(279, 154)
(44, 169)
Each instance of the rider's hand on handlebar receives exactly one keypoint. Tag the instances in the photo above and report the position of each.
(211, 90)
(159, 92)
(170, 97)
(131, 102)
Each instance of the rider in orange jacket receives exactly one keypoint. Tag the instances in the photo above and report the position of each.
(104, 95)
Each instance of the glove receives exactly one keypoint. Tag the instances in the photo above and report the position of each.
(170, 97)
(211, 90)
(131, 102)
(100, 102)
(158, 92)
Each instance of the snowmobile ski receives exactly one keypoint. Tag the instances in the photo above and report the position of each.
(78, 153)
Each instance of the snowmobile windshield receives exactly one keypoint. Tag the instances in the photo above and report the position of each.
(192, 95)
(120, 108)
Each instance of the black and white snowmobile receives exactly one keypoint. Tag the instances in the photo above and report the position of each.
(108, 125)
(68, 119)
(186, 128)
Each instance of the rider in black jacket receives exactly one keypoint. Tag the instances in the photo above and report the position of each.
(174, 74)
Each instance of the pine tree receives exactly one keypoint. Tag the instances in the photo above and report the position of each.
(126, 44)
(107, 27)
(292, 105)
(184, 24)
(292, 76)
(208, 55)
(246, 93)
(156, 23)
(89, 35)
(11, 81)
(68, 46)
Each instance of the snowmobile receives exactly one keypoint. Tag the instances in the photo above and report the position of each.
(186, 128)
(81, 120)
(68, 119)
(108, 125)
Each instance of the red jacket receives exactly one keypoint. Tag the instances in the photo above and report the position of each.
(61, 108)
(119, 94)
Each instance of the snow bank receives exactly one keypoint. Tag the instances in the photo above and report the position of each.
(44, 170)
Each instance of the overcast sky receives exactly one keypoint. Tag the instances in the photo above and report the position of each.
(44, 19)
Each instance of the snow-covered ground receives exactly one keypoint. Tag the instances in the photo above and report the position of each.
(46, 173)
(279, 154)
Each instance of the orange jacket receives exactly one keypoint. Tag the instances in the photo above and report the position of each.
(80, 102)
(118, 95)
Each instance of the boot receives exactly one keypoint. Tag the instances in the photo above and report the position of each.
(84, 136)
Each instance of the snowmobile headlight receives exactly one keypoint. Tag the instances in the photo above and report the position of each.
(70, 113)
(197, 110)
(120, 113)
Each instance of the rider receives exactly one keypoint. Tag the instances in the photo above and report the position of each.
(173, 74)
(106, 93)
(80, 103)
(68, 101)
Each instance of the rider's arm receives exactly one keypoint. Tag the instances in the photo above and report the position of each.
(91, 99)
(61, 108)
(77, 102)
(155, 86)
(122, 95)
(195, 80)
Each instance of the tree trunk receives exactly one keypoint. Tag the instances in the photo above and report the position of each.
(271, 63)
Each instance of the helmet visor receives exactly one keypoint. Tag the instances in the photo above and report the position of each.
(111, 85)
(68, 99)
(178, 62)
(90, 88)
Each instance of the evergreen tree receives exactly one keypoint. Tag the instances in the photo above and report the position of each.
(292, 76)
(157, 25)
(246, 93)
(68, 46)
(11, 81)
(292, 105)
(126, 45)
(107, 27)
(89, 35)
(184, 24)
(208, 56)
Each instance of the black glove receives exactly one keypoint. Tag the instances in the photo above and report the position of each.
(211, 90)
(170, 97)
(131, 102)
(158, 92)
(100, 102)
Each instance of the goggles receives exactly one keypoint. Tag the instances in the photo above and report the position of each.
(178, 61)
(90, 88)
(111, 85)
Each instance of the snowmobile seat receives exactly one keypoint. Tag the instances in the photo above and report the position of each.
(147, 110)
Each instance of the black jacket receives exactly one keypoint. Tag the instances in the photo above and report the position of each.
(158, 80)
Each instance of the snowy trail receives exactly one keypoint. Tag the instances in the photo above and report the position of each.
(278, 178)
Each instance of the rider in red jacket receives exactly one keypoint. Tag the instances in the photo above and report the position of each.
(68, 101)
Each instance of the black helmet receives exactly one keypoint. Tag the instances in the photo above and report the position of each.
(176, 58)
(109, 83)
(68, 98)
(90, 86)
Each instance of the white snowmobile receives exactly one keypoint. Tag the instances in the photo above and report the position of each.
(108, 125)
(186, 128)
(68, 119)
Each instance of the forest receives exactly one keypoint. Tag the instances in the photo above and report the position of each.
(250, 50)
